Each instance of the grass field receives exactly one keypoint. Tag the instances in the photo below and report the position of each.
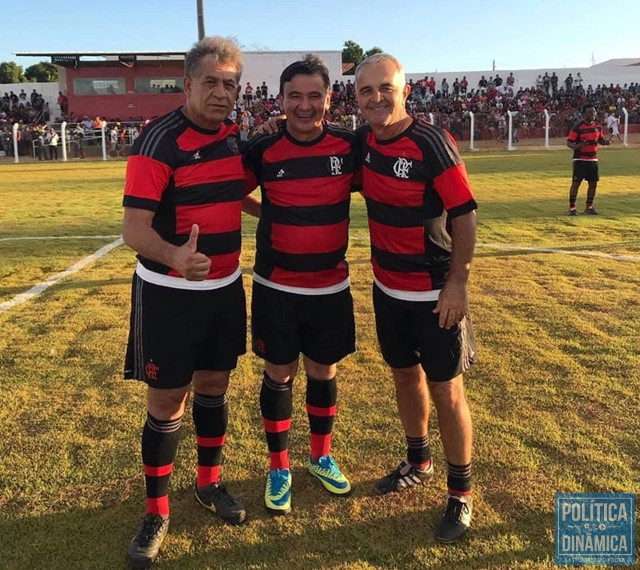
(555, 397)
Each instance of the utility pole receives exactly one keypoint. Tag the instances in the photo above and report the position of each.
(200, 19)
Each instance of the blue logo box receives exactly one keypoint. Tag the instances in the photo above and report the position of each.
(595, 528)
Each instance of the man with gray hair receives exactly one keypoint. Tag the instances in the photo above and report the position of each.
(421, 214)
(183, 197)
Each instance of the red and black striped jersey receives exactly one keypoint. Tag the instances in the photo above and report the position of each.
(413, 184)
(586, 132)
(302, 235)
(188, 175)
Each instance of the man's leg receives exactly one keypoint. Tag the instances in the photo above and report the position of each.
(454, 420)
(321, 404)
(573, 195)
(276, 404)
(210, 418)
(591, 196)
(160, 438)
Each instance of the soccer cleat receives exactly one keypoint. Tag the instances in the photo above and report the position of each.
(592, 211)
(277, 495)
(145, 545)
(456, 518)
(217, 499)
(573, 212)
(403, 477)
(327, 470)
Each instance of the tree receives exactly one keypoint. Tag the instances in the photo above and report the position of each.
(11, 72)
(352, 53)
(42, 72)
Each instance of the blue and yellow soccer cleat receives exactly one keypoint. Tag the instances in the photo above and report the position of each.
(277, 495)
(326, 469)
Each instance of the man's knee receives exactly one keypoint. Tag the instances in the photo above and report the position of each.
(319, 371)
(211, 382)
(449, 394)
(281, 373)
(167, 404)
(408, 377)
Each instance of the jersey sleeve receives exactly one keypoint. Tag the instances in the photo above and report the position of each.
(149, 171)
(450, 179)
(573, 135)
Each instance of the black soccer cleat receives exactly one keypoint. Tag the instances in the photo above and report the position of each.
(573, 212)
(403, 477)
(456, 518)
(217, 499)
(145, 545)
(592, 211)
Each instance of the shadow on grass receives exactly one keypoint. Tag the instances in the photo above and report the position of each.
(97, 538)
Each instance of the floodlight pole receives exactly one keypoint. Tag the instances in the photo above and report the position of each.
(63, 135)
(472, 132)
(200, 10)
(510, 143)
(626, 126)
(16, 158)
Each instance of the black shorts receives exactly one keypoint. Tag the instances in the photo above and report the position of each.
(283, 325)
(176, 331)
(409, 333)
(585, 170)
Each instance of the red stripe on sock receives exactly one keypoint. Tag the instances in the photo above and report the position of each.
(457, 492)
(208, 474)
(159, 471)
(276, 426)
(321, 412)
(279, 459)
(211, 441)
(320, 445)
(158, 505)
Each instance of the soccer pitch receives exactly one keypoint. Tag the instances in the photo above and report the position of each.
(555, 397)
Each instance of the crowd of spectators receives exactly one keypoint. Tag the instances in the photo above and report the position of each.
(449, 105)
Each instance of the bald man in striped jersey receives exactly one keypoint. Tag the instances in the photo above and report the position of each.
(422, 229)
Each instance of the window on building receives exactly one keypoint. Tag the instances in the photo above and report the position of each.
(159, 85)
(101, 86)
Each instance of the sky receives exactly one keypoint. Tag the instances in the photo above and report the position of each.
(426, 36)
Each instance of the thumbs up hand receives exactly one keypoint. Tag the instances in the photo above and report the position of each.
(191, 264)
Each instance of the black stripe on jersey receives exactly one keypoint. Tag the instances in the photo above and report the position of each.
(301, 215)
(155, 133)
(142, 203)
(463, 209)
(396, 216)
(444, 150)
(306, 167)
(298, 263)
(383, 164)
(409, 262)
(214, 244)
(231, 191)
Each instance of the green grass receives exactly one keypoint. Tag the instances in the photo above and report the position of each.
(555, 396)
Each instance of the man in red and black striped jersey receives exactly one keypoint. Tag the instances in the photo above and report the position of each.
(584, 139)
(301, 300)
(422, 228)
(183, 197)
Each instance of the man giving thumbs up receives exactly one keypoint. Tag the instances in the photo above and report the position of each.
(183, 200)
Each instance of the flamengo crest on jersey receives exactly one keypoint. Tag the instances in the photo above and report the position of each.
(412, 185)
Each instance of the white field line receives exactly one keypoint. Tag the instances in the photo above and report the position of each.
(25, 238)
(40, 287)
(584, 253)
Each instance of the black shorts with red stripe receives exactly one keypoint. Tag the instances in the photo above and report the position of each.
(174, 332)
(284, 324)
(409, 334)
